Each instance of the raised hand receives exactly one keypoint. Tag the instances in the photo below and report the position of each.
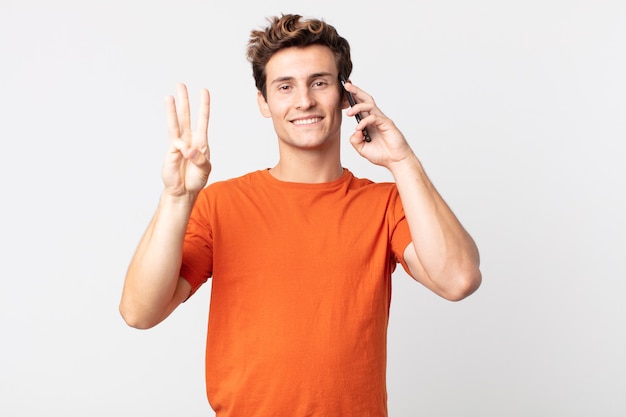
(187, 164)
(442, 255)
(388, 144)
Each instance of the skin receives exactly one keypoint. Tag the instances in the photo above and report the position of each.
(305, 104)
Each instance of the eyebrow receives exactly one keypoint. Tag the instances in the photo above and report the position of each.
(310, 77)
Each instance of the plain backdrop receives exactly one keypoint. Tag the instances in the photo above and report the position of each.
(517, 110)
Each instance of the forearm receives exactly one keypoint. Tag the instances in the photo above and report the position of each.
(152, 276)
(442, 255)
(447, 254)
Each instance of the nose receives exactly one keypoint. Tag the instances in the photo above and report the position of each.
(304, 99)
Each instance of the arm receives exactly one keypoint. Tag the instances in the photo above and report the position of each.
(152, 287)
(442, 255)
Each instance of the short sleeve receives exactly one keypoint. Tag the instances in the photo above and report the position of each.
(197, 257)
(400, 233)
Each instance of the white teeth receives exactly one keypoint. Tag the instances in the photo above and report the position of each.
(306, 121)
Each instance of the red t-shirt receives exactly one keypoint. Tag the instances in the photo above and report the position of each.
(301, 287)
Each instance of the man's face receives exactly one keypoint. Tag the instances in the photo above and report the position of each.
(303, 96)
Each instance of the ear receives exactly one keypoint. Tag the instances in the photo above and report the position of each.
(344, 101)
(344, 98)
(264, 108)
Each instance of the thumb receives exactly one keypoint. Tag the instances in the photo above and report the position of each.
(199, 159)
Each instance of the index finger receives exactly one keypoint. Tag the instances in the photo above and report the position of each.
(359, 95)
(172, 118)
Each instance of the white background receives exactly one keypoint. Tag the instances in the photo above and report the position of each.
(516, 108)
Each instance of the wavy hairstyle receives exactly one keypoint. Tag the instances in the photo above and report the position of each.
(292, 30)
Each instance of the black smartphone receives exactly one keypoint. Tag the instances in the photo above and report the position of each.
(352, 103)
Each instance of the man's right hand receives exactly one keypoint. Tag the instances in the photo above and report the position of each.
(187, 164)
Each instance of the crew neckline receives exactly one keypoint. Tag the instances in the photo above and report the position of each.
(345, 176)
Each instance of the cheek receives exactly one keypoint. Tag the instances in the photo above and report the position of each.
(278, 107)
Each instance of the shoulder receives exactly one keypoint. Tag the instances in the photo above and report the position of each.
(369, 186)
(224, 194)
(250, 179)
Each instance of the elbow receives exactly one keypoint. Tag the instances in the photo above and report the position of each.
(134, 319)
(464, 285)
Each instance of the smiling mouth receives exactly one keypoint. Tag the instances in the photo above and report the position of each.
(301, 122)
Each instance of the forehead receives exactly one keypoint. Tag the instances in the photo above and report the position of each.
(300, 62)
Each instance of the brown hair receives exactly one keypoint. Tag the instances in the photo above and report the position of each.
(291, 30)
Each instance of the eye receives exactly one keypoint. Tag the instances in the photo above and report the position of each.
(320, 83)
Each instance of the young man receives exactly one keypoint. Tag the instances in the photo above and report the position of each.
(300, 255)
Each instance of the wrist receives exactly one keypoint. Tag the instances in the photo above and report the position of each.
(409, 164)
(185, 200)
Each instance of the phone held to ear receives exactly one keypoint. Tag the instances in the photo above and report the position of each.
(352, 103)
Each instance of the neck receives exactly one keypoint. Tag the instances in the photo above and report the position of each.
(307, 167)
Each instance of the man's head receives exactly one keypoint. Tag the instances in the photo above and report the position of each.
(289, 31)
